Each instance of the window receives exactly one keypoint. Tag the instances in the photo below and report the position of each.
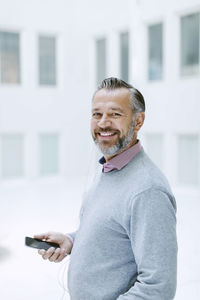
(155, 149)
(124, 56)
(48, 154)
(9, 57)
(100, 60)
(155, 52)
(47, 60)
(188, 159)
(12, 156)
(190, 44)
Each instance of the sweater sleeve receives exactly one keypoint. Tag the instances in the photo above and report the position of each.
(152, 232)
(71, 236)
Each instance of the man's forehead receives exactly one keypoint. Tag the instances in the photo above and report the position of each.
(112, 93)
(114, 98)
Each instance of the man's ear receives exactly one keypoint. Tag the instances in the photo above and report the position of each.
(139, 120)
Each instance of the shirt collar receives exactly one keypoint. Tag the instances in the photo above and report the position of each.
(122, 159)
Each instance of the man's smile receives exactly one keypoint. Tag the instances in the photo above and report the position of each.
(105, 135)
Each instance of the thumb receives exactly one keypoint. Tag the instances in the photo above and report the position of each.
(41, 236)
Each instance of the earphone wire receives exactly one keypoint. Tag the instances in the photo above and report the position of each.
(61, 278)
(62, 270)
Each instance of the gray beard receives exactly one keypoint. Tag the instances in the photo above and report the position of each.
(121, 144)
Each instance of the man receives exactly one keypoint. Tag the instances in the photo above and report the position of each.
(125, 247)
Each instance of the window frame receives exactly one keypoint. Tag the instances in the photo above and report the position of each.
(40, 173)
(162, 137)
(12, 177)
(57, 60)
(178, 181)
(96, 39)
(191, 71)
(19, 32)
(120, 54)
(148, 25)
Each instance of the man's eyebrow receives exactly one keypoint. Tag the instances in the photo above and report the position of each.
(118, 109)
(95, 109)
(112, 108)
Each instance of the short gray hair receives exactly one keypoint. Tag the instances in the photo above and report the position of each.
(136, 98)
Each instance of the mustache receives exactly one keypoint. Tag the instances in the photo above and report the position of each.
(106, 130)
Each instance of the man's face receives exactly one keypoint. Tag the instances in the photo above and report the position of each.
(112, 125)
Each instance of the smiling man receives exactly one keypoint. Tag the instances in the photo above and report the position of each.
(114, 119)
(125, 247)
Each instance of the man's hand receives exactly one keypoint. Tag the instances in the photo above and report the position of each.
(52, 254)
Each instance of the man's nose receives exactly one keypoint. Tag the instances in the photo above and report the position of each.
(104, 122)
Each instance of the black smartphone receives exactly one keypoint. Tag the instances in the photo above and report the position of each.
(39, 244)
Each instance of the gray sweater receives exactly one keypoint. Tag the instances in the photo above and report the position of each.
(126, 247)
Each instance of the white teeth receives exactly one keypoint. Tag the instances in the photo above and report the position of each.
(106, 133)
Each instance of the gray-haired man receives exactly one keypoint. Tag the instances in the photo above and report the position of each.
(125, 247)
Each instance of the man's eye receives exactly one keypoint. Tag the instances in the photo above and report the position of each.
(116, 114)
(96, 114)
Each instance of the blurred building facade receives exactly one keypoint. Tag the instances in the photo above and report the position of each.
(53, 54)
(49, 71)
(43, 92)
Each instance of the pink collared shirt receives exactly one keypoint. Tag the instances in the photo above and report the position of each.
(122, 159)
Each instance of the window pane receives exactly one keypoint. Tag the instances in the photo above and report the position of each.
(190, 44)
(124, 56)
(47, 60)
(155, 34)
(12, 156)
(48, 154)
(100, 60)
(9, 58)
(155, 148)
(188, 159)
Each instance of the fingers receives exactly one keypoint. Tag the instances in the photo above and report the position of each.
(61, 256)
(46, 254)
(41, 252)
(58, 255)
(52, 254)
(41, 236)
